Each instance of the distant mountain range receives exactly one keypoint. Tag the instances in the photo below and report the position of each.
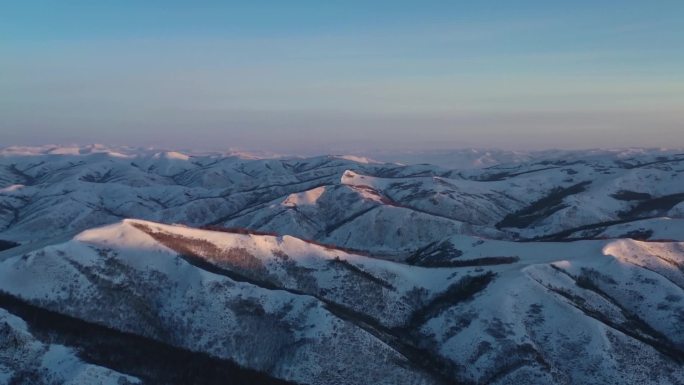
(122, 265)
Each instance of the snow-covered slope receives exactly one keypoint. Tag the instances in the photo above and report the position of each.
(25, 360)
(556, 267)
(239, 310)
(377, 207)
(465, 310)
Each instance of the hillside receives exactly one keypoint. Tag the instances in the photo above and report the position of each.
(555, 269)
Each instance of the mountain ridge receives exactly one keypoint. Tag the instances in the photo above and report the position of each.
(561, 269)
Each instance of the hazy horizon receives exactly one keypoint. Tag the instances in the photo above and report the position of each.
(411, 154)
(306, 77)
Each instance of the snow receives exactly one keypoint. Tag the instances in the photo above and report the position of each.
(357, 159)
(456, 159)
(501, 312)
(344, 230)
(39, 276)
(122, 234)
(69, 150)
(50, 363)
(174, 155)
(75, 192)
(12, 188)
(306, 198)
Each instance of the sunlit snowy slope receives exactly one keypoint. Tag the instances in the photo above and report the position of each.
(555, 268)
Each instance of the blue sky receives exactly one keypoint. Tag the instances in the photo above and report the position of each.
(323, 76)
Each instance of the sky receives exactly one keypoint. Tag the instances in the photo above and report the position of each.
(343, 76)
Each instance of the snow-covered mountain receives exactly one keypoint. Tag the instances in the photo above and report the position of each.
(24, 360)
(553, 268)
